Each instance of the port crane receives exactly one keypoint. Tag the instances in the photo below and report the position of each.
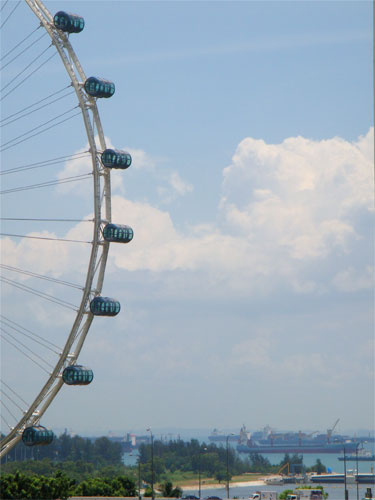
(330, 431)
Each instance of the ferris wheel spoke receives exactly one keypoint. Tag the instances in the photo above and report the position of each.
(14, 392)
(17, 327)
(41, 131)
(28, 76)
(9, 15)
(22, 52)
(19, 43)
(12, 400)
(41, 276)
(39, 126)
(66, 240)
(10, 413)
(35, 110)
(64, 180)
(26, 67)
(38, 293)
(33, 340)
(24, 352)
(46, 163)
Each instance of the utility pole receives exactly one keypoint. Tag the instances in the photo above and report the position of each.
(152, 464)
(231, 434)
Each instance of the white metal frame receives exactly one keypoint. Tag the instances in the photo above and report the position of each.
(100, 247)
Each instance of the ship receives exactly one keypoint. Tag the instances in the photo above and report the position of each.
(362, 456)
(267, 441)
(218, 436)
(361, 478)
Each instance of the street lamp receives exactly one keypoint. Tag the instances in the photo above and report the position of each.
(139, 477)
(346, 490)
(227, 439)
(152, 464)
(357, 475)
(199, 470)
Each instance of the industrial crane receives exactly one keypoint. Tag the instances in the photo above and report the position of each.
(330, 431)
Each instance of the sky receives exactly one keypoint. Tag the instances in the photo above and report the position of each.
(247, 292)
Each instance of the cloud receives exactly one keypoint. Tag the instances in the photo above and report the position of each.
(253, 352)
(350, 280)
(176, 187)
(291, 215)
(284, 209)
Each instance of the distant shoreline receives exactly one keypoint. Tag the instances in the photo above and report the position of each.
(218, 486)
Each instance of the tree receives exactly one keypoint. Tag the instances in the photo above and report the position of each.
(318, 467)
(15, 486)
(221, 475)
(168, 491)
(284, 494)
(98, 486)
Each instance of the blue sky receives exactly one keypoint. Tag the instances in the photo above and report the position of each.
(247, 292)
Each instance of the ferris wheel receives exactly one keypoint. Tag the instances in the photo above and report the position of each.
(22, 417)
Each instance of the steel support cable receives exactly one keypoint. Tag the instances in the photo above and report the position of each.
(7, 320)
(4, 4)
(45, 220)
(17, 4)
(25, 354)
(40, 132)
(23, 51)
(14, 392)
(10, 399)
(3, 419)
(39, 126)
(38, 293)
(64, 180)
(29, 75)
(10, 413)
(34, 104)
(41, 276)
(46, 163)
(36, 109)
(34, 340)
(26, 67)
(19, 43)
(44, 238)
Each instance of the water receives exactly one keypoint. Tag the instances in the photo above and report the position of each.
(130, 458)
(331, 461)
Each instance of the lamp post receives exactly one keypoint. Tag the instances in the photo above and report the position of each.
(139, 477)
(346, 490)
(152, 464)
(227, 439)
(199, 469)
(357, 475)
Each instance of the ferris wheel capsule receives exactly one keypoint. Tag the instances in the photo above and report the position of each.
(118, 233)
(104, 306)
(98, 87)
(114, 158)
(37, 435)
(77, 375)
(69, 23)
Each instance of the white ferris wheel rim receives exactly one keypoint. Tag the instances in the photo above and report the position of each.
(100, 247)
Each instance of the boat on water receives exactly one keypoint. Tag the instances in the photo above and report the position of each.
(267, 441)
(361, 478)
(361, 456)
